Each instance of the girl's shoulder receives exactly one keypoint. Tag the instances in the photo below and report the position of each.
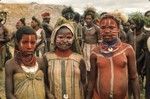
(76, 57)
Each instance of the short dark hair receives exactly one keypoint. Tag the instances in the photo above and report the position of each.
(90, 11)
(147, 13)
(23, 21)
(36, 20)
(77, 17)
(89, 14)
(24, 30)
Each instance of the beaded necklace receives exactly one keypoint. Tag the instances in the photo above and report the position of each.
(110, 48)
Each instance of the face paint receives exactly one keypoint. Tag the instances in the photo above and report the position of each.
(64, 39)
(109, 29)
(27, 44)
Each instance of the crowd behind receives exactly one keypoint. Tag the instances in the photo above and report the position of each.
(89, 56)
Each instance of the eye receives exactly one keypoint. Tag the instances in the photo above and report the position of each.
(24, 42)
(102, 27)
(33, 42)
(111, 27)
(60, 36)
(69, 37)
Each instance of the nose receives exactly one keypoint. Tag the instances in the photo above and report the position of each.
(64, 40)
(107, 30)
(29, 47)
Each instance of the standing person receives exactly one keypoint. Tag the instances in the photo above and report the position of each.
(68, 13)
(47, 28)
(4, 39)
(140, 43)
(25, 73)
(78, 27)
(146, 29)
(113, 64)
(129, 33)
(21, 22)
(66, 67)
(36, 25)
(90, 35)
(140, 38)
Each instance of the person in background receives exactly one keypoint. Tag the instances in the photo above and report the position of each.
(4, 51)
(36, 25)
(21, 22)
(90, 36)
(47, 28)
(146, 70)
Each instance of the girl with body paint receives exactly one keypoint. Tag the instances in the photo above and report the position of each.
(113, 64)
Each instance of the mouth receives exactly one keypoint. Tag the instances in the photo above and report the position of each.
(107, 36)
(64, 46)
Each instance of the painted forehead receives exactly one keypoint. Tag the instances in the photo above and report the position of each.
(108, 22)
(29, 37)
(64, 30)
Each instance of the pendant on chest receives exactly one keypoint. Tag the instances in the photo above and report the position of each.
(110, 49)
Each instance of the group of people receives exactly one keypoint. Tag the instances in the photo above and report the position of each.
(76, 59)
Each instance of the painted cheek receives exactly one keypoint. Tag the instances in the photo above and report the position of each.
(58, 40)
(115, 32)
(23, 46)
(70, 41)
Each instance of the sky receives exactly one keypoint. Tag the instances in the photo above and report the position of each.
(100, 5)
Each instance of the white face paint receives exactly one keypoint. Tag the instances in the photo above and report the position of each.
(64, 39)
(27, 43)
(109, 28)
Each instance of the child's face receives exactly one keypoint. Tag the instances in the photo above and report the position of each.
(109, 29)
(64, 39)
(33, 24)
(27, 44)
(88, 19)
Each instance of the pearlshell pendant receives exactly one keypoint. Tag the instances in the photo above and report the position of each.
(65, 96)
(110, 49)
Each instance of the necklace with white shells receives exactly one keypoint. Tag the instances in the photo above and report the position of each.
(105, 48)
